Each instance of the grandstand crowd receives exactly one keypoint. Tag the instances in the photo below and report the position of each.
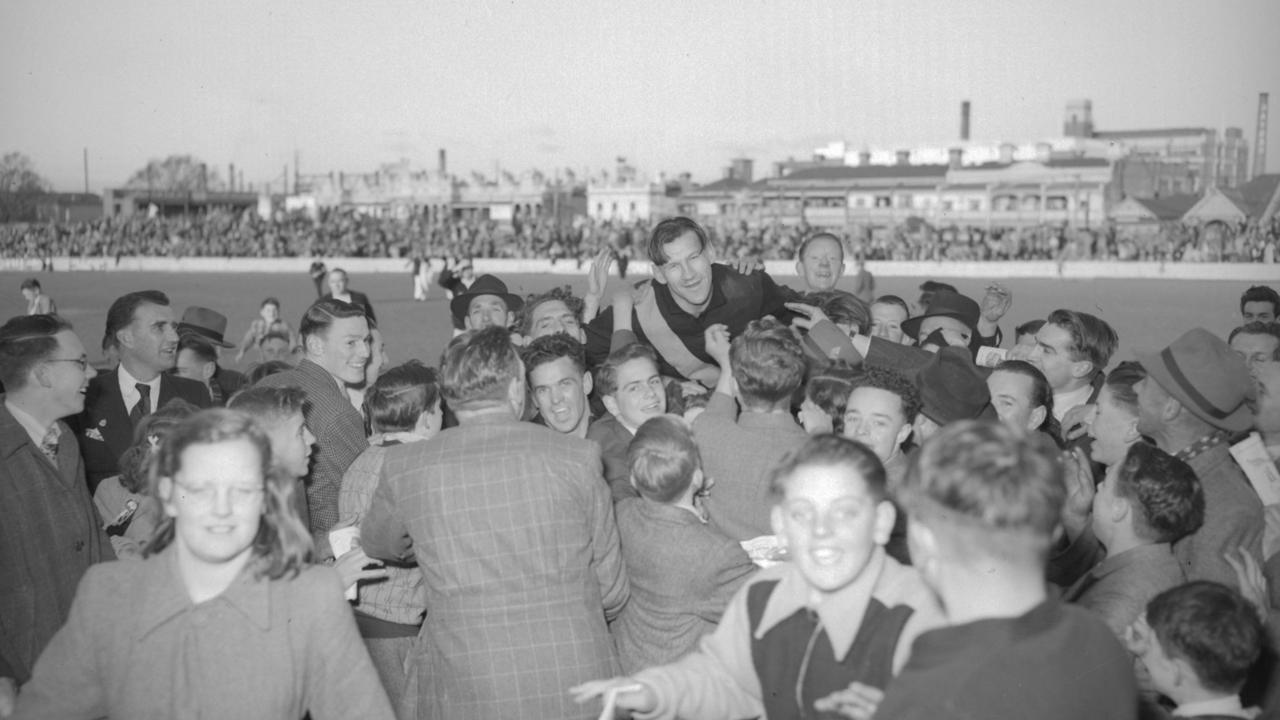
(340, 233)
(706, 495)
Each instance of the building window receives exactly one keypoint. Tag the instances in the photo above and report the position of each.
(884, 201)
(904, 201)
(975, 205)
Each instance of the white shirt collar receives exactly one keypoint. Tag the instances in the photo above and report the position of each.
(1217, 706)
(1065, 401)
(28, 423)
(129, 391)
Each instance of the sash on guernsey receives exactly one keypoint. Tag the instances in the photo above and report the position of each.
(668, 344)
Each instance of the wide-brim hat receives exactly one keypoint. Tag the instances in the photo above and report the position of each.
(484, 285)
(1204, 374)
(946, 304)
(209, 325)
(951, 387)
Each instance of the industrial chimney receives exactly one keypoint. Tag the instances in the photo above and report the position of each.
(1260, 138)
(444, 168)
(964, 121)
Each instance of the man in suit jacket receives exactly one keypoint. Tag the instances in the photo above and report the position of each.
(335, 341)
(338, 290)
(140, 327)
(50, 533)
(514, 530)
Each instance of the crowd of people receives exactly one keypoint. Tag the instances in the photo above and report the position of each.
(707, 495)
(338, 233)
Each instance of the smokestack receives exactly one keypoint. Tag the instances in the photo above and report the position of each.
(1260, 138)
(964, 121)
(86, 171)
(955, 157)
(903, 157)
(231, 177)
(444, 168)
(864, 158)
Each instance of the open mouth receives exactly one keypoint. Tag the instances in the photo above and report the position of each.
(826, 556)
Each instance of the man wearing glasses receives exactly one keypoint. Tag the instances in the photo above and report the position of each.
(50, 533)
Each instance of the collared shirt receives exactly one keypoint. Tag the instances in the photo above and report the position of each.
(840, 612)
(1229, 706)
(1063, 402)
(129, 391)
(29, 423)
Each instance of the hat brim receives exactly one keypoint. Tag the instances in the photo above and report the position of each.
(1240, 419)
(911, 326)
(204, 335)
(459, 304)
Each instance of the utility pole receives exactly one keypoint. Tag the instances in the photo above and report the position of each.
(86, 171)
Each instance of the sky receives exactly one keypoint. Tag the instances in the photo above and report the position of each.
(671, 86)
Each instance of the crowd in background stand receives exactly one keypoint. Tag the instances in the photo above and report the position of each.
(347, 234)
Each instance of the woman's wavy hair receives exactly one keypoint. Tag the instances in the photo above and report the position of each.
(282, 545)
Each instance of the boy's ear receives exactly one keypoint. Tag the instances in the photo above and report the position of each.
(610, 404)
(587, 383)
(886, 514)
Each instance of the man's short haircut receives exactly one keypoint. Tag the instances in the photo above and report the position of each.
(562, 293)
(339, 270)
(663, 458)
(669, 231)
(270, 405)
(120, 314)
(1261, 293)
(804, 246)
(1041, 393)
(829, 451)
(1092, 338)
(841, 307)
(1122, 381)
(896, 383)
(1030, 327)
(893, 300)
(400, 395)
(1259, 327)
(768, 362)
(323, 313)
(606, 376)
(1210, 626)
(933, 286)
(202, 348)
(30, 284)
(1163, 491)
(272, 300)
(550, 348)
(478, 367)
(831, 394)
(274, 335)
(271, 367)
(26, 341)
(998, 487)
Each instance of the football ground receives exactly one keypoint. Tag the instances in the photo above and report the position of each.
(1146, 313)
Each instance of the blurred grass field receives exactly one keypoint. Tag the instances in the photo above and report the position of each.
(1146, 313)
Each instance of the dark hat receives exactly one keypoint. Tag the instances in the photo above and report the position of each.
(1200, 371)
(951, 387)
(946, 304)
(209, 325)
(484, 285)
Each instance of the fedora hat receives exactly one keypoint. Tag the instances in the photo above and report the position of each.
(210, 325)
(1200, 371)
(946, 304)
(484, 285)
(951, 387)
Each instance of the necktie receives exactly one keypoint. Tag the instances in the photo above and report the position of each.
(49, 445)
(143, 408)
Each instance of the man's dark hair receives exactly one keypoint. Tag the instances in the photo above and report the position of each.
(1030, 327)
(1258, 327)
(269, 405)
(562, 293)
(1163, 491)
(1261, 293)
(120, 314)
(1122, 381)
(30, 284)
(841, 307)
(1092, 338)
(400, 395)
(321, 315)
(768, 363)
(663, 458)
(271, 367)
(932, 286)
(896, 383)
(831, 394)
(202, 348)
(668, 231)
(606, 376)
(1041, 393)
(26, 341)
(829, 451)
(1210, 626)
(478, 367)
(550, 348)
